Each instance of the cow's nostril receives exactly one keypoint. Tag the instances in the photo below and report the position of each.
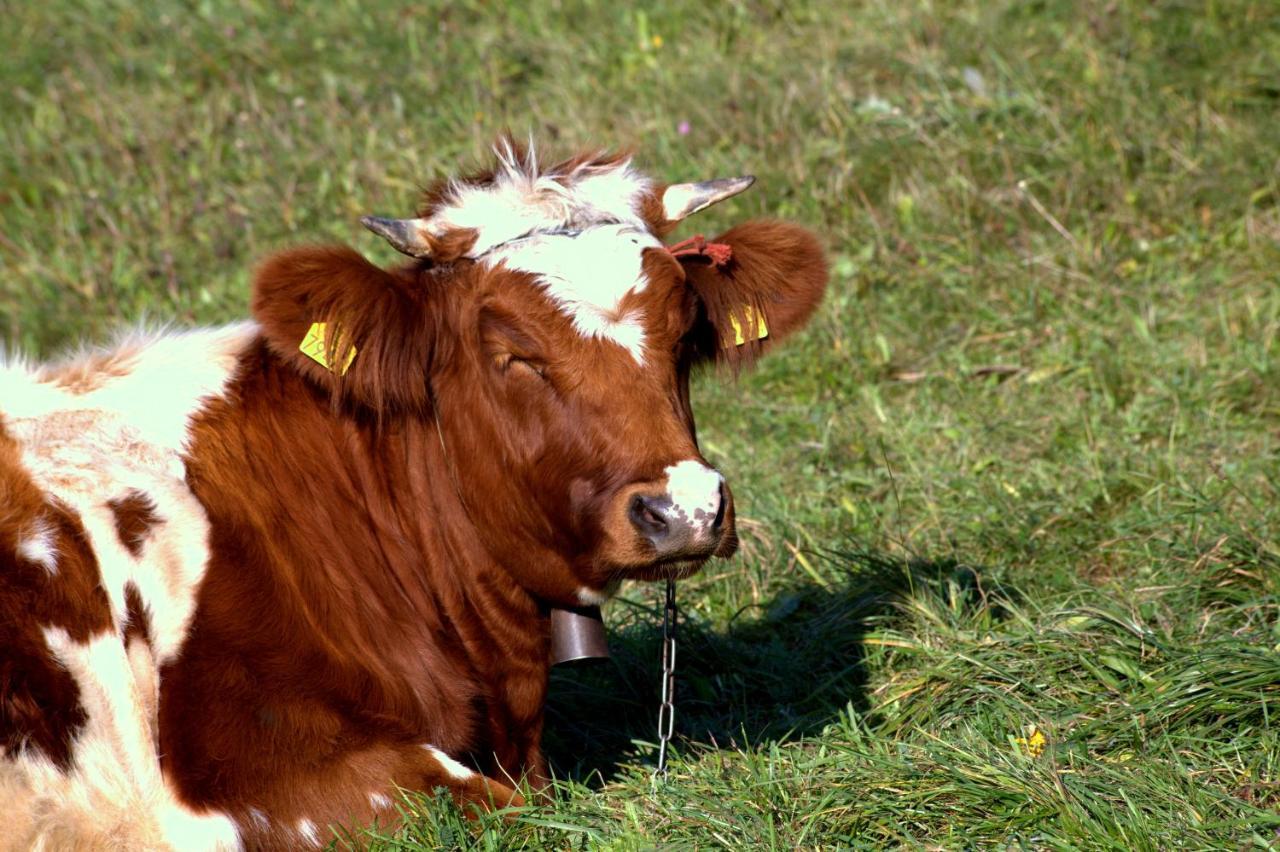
(716, 524)
(646, 517)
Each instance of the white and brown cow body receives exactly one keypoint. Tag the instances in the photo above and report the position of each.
(246, 593)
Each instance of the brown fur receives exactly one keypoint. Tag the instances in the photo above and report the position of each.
(135, 515)
(654, 214)
(89, 372)
(451, 246)
(777, 268)
(383, 314)
(39, 701)
(137, 625)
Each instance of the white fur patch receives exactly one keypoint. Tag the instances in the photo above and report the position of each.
(98, 426)
(587, 275)
(110, 422)
(38, 548)
(307, 829)
(379, 802)
(694, 490)
(523, 200)
(155, 382)
(591, 597)
(169, 572)
(588, 596)
(114, 796)
(456, 770)
(580, 233)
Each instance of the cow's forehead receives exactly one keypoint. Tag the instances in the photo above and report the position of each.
(588, 275)
(520, 198)
(577, 227)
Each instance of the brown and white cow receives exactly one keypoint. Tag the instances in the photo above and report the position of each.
(253, 579)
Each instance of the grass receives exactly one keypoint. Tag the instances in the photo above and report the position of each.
(1021, 473)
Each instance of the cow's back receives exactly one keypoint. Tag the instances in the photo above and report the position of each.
(102, 548)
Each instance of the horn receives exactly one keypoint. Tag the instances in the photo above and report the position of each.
(680, 200)
(406, 236)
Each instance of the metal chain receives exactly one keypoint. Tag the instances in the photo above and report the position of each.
(667, 712)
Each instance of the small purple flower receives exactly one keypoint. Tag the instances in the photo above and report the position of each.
(683, 128)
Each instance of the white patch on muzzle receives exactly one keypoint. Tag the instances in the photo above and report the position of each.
(694, 490)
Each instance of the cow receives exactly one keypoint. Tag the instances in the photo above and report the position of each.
(256, 579)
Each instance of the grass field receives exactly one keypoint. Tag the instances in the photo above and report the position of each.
(1018, 482)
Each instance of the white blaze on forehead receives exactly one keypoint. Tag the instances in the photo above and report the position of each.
(38, 547)
(522, 200)
(694, 490)
(587, 275)
(580, 232)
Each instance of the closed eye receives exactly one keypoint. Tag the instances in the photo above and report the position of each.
(507, 362)
(536, 367)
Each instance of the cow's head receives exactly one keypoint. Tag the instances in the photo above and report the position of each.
(550, 333)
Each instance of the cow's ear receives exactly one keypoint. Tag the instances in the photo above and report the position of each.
(357, 330)
(767, 289)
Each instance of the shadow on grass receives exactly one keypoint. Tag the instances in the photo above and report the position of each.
(781, 671)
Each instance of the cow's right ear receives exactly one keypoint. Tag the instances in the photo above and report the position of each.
(357, 330)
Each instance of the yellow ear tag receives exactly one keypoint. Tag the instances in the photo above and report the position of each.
(316, 347)
(755, 326)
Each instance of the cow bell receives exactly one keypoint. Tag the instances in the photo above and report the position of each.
(577, 634)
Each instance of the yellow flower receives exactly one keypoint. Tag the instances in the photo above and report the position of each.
(1034, 742)
(657, 41)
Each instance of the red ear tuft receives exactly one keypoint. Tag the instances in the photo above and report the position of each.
(768, 289)
(379, 314)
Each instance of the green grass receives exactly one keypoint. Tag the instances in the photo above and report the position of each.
(1021, 471)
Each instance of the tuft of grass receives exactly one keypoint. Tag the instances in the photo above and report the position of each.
(1020, 475)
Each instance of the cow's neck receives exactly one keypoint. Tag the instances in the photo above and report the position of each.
(356, 531)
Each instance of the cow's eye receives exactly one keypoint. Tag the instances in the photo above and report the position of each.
(537, 368)
(508, 362)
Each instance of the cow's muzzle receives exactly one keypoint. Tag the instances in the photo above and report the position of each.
(689, 519)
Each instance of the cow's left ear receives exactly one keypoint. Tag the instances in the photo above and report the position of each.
(360, 332)
(766, 290)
